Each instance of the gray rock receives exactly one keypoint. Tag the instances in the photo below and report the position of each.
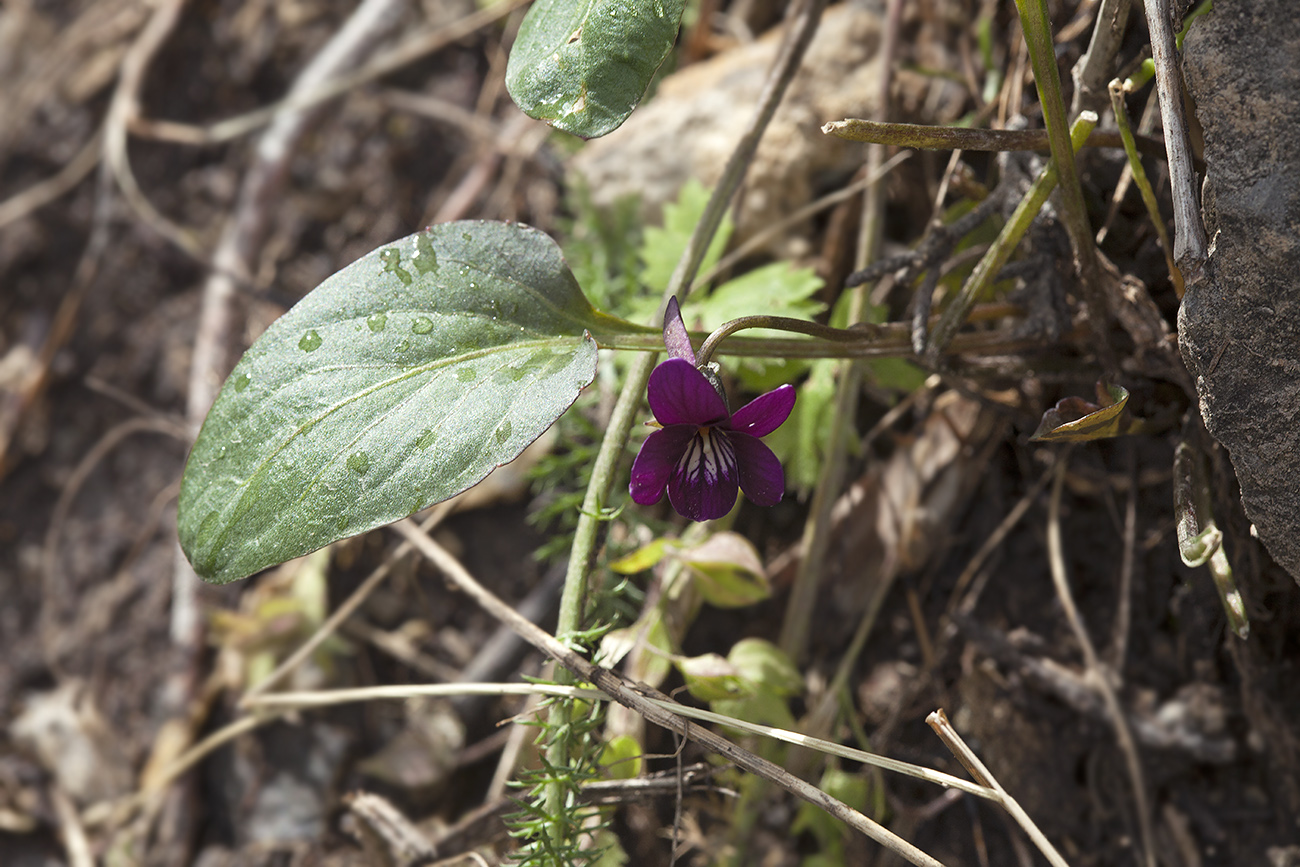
(1240, 329)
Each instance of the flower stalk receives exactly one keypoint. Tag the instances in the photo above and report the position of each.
(803, 26)
(863, 333)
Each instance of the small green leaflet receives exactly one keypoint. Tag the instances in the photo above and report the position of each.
(397, 383)
(583, 65)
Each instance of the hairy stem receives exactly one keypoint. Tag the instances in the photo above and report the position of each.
(782, 323)
(612, 447)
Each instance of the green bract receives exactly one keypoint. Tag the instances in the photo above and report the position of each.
(583, 65)
(400, 381)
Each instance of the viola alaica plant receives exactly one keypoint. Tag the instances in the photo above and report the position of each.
(703, 452)
(411, 374)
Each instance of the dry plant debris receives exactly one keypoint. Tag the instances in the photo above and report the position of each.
(161, 204)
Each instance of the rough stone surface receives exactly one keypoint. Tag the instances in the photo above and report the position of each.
(1240, 329)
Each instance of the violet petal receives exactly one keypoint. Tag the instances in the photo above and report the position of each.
(703, 484)
(765, 413)
(655, 462)
(676, 340)
(761, 476)
(679, 394)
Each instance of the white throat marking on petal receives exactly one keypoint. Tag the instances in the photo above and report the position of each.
(710, 453)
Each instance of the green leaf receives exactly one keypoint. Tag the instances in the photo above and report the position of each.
(801, 442)
(766, 666)
(650, 628)
(661, 248)
(642, 558)
(397, 383)
(851, 788)
(710, 677)
(778, 289)
(727, 571)
(583, 65)
(763, 708)
(621, 757)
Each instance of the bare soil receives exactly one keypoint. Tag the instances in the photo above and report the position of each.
(100, 305)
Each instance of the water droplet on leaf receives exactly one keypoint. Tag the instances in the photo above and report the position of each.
(465, 374)
(242, 381)
(359, 463)
(310, 341)
(422, 325)
(377, 322)
(392, 259)
(427, 436)
(502, 432)
(424, 259)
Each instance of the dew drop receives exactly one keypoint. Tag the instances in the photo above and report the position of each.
(403, 346)
(466, 236)
(242, 381)
(342, 524)
(421, 325)
(310, 341)
(377, 322)
(466, 374)
(424, 258)
(392, 259)
(427, 436)
(359, 463)
(502, 432)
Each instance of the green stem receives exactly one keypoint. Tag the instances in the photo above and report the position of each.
(945, 330)
(782, 323)
(612, 447)
(1117, 91)
(1037, 27)
(887, 340)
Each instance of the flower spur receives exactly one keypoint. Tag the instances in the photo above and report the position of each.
(702, 452)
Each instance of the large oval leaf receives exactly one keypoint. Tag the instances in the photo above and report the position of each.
(583, 65)
(400, 381)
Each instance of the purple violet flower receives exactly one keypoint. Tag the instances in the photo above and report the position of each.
(702, 452)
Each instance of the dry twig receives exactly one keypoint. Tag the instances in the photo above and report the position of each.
(1097, 674)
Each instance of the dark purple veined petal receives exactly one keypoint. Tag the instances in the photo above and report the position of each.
(765, 413)
(703, 483)
(679, 394)
(676, 340)
(655, 462)
(761, 476)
